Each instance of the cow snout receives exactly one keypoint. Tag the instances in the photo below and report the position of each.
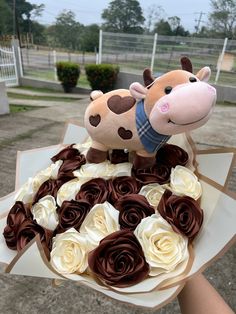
(187, 106)
(189, 103)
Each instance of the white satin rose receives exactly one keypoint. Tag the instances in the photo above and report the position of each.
(84, 147)
(50, 172)
(163, 248)
(69, 252)
(68, 190)
(44, 212)
(153, 193)
(90, 170)
(26, 193)
(122, 169)
(184, 182)
(101, 221)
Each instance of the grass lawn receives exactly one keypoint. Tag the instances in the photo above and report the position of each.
(49, 75)
(36, 97)
(40, 90)
(226, 103)
(22, 108)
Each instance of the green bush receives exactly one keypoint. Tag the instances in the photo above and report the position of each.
(68, 74)
(102, 76)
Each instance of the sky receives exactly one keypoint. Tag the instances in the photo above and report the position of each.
(88, 12)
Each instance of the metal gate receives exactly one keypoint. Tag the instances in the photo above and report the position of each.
(8, 69)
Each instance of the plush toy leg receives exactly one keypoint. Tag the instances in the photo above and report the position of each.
(143, 160)
(97, 153)
(118, 156)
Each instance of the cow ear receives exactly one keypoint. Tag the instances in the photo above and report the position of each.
(95, 94)
(204, 74)
(137, 90)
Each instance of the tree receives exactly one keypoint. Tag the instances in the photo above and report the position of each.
(66, 31)
(18, 18)
(223, 18)
(123, 16)
(6, 21)
(176, 27)
(163, 28)
(154, 14)
(90, 38)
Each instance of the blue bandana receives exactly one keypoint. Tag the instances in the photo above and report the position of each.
(150, 139)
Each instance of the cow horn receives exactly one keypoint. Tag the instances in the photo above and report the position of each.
(147, 77)
(186, 64)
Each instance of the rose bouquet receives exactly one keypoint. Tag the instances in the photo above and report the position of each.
(126, 232)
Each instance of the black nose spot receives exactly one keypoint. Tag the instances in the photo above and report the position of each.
(168, 89)
(192, 79)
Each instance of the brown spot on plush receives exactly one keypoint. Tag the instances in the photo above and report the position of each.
(95, 120)
(118, 104)
(125, 134)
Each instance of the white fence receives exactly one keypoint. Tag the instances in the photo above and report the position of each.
(133, 53)
(8, 67)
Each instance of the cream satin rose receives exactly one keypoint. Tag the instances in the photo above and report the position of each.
(26, 193)
(68, 190)
(153, 193)
(101, 221)
(184, 182)
(163, 248)
(122, 169)
(69, 252)
(84, 147)
(44, 212)
(104, 170)
(50, 172)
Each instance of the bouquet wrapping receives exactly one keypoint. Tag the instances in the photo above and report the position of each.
(217, 230)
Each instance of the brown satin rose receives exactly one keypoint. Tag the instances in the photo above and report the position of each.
(171, 155)
(28, 230)
(133, 208)
(122, 186)
(119, 260)
(67, 153)
(49, 187)
(157, 174)
(183, 213)
(70, 165)
(94, 191)
(71, 214)
(18, 213)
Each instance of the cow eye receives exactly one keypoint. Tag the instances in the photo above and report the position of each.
(168, 89)
(192, 79)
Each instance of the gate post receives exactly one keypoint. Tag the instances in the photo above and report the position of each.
(4, 105)
(18, 63)
(100, 48)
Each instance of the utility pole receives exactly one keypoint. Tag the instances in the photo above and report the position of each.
(14, 18)
(199, 21)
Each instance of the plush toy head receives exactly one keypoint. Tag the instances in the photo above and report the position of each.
(143, 118)
(178, 101)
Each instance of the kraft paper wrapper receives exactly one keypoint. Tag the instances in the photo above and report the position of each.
(219, 214)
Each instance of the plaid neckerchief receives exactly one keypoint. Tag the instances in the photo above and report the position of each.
(150, 139)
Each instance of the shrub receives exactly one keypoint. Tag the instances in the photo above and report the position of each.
(68, 74)
(102, 76)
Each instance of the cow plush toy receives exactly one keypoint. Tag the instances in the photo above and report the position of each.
(143, 118)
